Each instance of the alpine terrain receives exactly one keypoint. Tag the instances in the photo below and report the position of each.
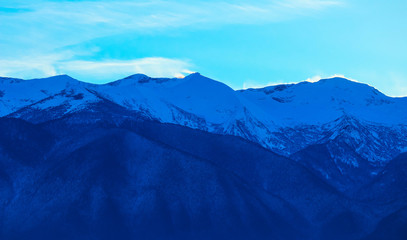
(191, 158)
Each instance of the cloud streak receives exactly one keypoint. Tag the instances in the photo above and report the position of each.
(105, 71)
(77, 21)
(94, 71)
(39, 29)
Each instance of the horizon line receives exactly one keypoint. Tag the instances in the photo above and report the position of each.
(309, 80)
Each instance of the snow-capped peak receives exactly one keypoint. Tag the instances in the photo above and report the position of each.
(195, 75)
(57, 80)
(326, 100)
(284, 118)
(130, 80)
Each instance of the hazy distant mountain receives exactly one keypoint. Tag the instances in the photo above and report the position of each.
(191, 158)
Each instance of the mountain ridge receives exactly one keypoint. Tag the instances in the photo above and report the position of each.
(282, 118)
(252, 158)
(141, 75)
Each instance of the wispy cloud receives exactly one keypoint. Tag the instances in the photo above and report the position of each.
(107, 70)
(399, 84)
(309, 4)
(166, 13)
(93, 71)
(316, 78)
(70, 22)
(39, 29)
(29, 66)
(138, 15)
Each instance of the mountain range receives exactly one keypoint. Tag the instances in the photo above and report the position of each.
(191, 158)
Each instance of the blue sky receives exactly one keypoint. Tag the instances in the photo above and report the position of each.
(241, 43)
